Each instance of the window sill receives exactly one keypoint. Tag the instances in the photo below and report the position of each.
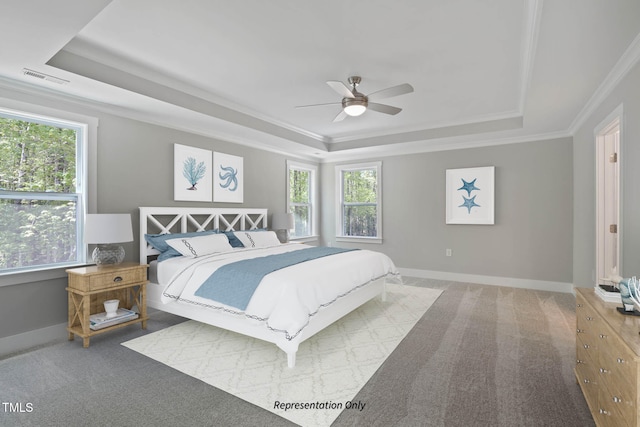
(305, 239)
(355, 239)
(31, 276)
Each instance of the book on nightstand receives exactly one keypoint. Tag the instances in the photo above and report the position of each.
(100, 320)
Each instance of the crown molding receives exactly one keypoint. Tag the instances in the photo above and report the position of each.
(627, 61)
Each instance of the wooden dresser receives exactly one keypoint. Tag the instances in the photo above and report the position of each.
(608, 353)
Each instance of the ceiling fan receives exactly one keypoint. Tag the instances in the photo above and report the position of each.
(355, 103)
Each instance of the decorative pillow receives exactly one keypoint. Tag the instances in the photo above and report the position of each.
(257, 239)
(159, 242)
(234, 241)
(201, 245)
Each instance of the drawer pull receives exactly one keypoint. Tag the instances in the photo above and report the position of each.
(603, 371)
(616, 399)
(620, 360)
(603, 412)
(602, 336)
(117, 279)
(580, 331)
(579, 361)
(579, 305)
(586, 346)
(589, 318)
(586, 380)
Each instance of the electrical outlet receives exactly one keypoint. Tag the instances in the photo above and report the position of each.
(448, 252)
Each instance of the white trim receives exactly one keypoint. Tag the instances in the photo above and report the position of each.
(30, 339)
(530, 32)
(615, 119)
(314, 196)
(627, 61)
(359, 239)
(538, 285)
(86, 127)
(359, 166)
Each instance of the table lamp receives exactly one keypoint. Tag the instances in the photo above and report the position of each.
(106, 231)
(282, 222)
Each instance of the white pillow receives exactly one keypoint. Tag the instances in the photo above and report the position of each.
(201, 245)
(257, 239)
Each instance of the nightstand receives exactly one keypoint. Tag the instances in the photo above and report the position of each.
(89, 287)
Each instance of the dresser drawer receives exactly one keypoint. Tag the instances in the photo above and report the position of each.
(617, 361)
(587, 324)
(608, 413)
(587, 377)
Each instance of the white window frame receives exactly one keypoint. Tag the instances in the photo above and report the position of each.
(340, 202)
(86, 131)
(313, 197)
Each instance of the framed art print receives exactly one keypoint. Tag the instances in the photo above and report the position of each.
(228, 178)
(470, 195)
(191, 174)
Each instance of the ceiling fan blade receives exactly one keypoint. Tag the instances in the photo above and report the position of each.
(341, 116)
(341, 88)
(391, 91)
(382, 108)
(317, 105)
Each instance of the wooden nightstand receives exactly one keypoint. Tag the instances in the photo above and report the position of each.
(89, 287)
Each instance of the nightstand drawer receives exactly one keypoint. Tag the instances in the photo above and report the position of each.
(116, 278)
(91, 279)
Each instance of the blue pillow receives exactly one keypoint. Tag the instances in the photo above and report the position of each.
(234, 241)
(159, 242)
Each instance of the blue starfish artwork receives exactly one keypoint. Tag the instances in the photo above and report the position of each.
(469, 203)
(231, 178)
(469, 186)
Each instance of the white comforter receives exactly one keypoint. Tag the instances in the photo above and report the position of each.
(285, 299)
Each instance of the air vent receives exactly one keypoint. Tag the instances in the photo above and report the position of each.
(43, 76)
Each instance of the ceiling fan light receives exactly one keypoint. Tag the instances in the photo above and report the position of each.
(354, 110)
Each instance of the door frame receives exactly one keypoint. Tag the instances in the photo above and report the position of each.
(612, 121)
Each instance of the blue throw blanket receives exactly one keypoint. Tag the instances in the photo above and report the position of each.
(234, 284)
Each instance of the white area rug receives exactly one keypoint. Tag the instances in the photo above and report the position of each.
(331, 367)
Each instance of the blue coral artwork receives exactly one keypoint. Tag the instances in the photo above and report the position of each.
(192, 174)
(228, 178)
(470, 195)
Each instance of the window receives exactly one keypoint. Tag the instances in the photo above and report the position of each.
(42, 195)
(360, 202)
(302, 192)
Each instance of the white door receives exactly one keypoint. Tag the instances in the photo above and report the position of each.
(608, 200)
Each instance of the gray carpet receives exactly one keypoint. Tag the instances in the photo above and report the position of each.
(481, 356)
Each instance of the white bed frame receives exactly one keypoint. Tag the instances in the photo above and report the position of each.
(181, 220)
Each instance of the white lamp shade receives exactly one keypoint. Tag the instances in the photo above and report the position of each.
(282, 221)
(107, 228)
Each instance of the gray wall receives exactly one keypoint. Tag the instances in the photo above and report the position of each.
(532, 235)
(627, 93)
(544, 223)
(134, 168)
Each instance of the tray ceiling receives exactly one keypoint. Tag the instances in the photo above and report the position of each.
(482, 71)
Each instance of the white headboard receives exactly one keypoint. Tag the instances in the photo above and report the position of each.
(165, 220)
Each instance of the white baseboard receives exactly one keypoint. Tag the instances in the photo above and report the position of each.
(30, 339)
(539, 285)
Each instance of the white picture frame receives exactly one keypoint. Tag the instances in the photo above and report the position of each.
(470, 195)
(228, 178)
(192, 174)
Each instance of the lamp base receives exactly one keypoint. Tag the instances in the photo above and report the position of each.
(283, 235)
(108, 254)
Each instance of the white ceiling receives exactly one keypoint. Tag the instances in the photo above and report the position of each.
(483, 71)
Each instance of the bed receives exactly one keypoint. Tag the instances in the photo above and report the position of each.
(293, 290)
